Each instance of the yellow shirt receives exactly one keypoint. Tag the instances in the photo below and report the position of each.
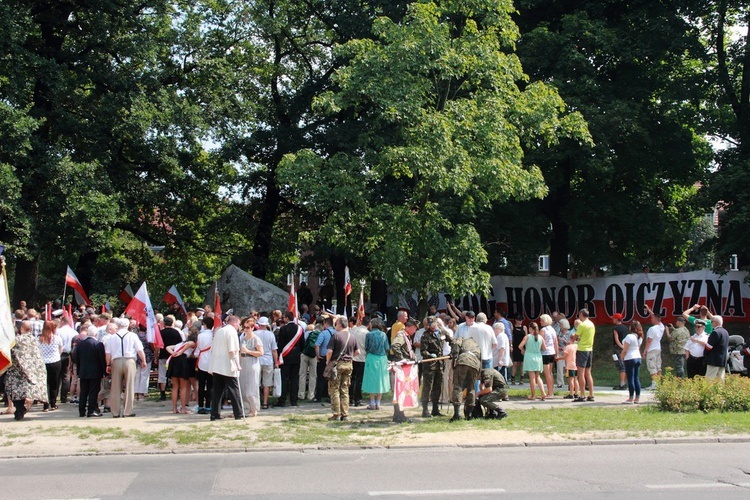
(586, 332)
(397, 327)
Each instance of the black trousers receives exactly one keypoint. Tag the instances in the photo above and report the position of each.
(355, 388)
(289, 383)
(64, 377)
(89, 393)
(695, 366)
(205, 386)
(53, 382)
(321, 384)
(232, 386)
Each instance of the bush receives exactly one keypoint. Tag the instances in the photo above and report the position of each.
(686, 395)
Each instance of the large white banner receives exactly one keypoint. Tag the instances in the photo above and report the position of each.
(727, 295)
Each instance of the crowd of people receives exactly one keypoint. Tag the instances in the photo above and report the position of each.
(105, 364)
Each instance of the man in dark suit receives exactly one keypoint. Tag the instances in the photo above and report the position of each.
(290, 345)
(92, 365)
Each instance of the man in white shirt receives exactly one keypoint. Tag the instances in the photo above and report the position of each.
(269, 360)
(652, 347)
(225, 368)
(485, 338)
(501, 352)
(121, 349)
(462, 330)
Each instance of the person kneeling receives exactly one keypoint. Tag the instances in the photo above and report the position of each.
(494, 389)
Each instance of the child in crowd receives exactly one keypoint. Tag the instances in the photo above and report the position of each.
(569, 355)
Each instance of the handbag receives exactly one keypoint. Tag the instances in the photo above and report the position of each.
(331, 371)
(277, 382)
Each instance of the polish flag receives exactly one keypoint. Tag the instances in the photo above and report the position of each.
(72, 281)
(218, 323)
(347, 282)
(173, 296)
(140, 310)
(361, 307)
(292, 307)
(126, 294)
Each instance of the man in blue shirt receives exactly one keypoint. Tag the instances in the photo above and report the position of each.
(321, 349)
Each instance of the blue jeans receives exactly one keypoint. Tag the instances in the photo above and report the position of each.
(632, 367)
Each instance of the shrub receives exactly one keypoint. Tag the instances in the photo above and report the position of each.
(686, 395)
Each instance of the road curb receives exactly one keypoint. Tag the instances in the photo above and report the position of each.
(401, 447)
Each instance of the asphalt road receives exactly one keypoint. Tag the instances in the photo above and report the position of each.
(704, 470)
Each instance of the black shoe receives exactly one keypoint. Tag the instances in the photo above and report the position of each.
(500, 414)
(294, 404)
(238, 418)
(619, 387)
(163, 396)
(436, 410)
(216, 418)
(82, 415)
(115, 416)
(201, 411)
(94, 414)
(317, 400)
(344, 417)
(106, 409)
(131, 415)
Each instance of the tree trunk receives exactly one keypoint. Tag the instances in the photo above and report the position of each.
(262, 243)
(85, 269)
(555, 205)
(25, 285)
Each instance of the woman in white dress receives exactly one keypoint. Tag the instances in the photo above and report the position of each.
(251, 348)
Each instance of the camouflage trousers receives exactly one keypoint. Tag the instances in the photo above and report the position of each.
(490, 400)
(432, 381)
(464, 378)
(338, 389)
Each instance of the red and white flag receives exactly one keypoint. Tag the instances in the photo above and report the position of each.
(292, 307)
(173, 296)
(140, 310)
(72, 281)
(218, 323)
(361, 307)
(126, 295)
(347, 282)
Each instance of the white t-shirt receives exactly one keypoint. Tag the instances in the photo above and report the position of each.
(550, 340)
(418, 339)
(502, 343)
(634, 344)
(655, 333)
(203, 349)
(696, 350)
(484, 336)
(269, 345)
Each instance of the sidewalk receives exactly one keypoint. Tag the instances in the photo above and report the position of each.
(155, 429)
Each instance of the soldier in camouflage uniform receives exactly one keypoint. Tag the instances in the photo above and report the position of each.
(467, 363)
(432, 371)
(402, 350)
(494, 388)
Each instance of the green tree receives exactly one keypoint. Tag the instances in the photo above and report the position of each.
(449, 114)
(727, 32)
(112, 134)
(634, 70)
